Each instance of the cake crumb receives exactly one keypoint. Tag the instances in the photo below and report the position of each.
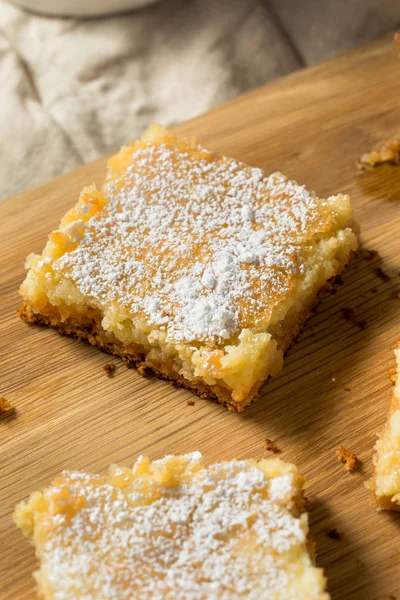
(396, 295)
(190, 402)
(372, 256)
(109, 369)
(334, 534)
(347, 388)
(388, 153)
(384, 276)
(350, 316)
(347, 457)
(5, 406)
(271, 446)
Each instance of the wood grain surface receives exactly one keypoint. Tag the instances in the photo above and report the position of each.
(333, 390)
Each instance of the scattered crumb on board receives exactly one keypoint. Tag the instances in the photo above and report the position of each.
(382, 275)
(5, 406)
(372, 256)
(388, 153)
(109, 369)
(350, 317)
(190, 402)
(271, 446)
(347, 457)
(334, 534)
(347, 388)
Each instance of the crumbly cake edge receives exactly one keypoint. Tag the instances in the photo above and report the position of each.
(385, 502)
(96, 336)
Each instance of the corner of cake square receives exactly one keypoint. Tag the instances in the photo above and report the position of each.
(191, 265)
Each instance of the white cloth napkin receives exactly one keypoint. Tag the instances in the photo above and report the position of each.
(73, 90)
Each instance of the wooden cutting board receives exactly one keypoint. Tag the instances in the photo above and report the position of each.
(333, 390)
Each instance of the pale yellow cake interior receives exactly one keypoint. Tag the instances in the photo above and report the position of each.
(386, 481)
(174, 530)
(272, 299)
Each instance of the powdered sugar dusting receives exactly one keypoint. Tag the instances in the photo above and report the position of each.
(200, 244)
(225, 532)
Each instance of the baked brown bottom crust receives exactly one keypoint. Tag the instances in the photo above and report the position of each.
(136, 356)
(133, 357)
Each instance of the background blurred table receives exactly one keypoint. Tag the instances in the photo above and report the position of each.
(74, 89)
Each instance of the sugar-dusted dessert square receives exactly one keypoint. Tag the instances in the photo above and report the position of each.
(191, 265)
(174, 529)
